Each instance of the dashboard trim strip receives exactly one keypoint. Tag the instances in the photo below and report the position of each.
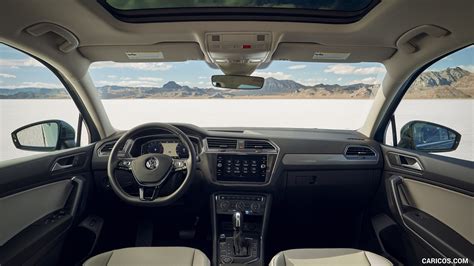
(324, 159)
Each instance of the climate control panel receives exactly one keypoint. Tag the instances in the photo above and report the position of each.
(248, 204)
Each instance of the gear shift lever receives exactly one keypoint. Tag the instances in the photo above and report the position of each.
(237, 221)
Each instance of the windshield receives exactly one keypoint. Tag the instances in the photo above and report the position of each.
(296, 95)
(292, 4)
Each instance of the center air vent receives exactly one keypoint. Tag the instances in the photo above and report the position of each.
(258, 145)
(359, 152)
(221, 143)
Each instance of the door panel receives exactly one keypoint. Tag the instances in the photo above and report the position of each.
(39, 202)
(25, 207)
(430, 198)
(449, 207)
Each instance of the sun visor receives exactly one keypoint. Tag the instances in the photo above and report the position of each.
(161, 52)
(312, 52)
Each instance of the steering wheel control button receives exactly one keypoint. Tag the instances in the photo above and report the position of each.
(124, 164)
(226, 259)
(179, 165)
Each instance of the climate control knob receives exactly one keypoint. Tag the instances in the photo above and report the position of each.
(255, 207)
(240, 205)
(224, 205)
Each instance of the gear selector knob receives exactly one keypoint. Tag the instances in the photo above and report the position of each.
(237, 220)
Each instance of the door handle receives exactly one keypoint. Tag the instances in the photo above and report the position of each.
(57, 166)
(405, 161)
(411, 163)
(68, 162)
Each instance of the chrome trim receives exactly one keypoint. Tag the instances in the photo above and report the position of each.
(323, 159)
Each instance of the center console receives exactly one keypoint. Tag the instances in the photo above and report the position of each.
(239, 223)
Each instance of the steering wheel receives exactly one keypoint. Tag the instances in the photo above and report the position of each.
(151, 170)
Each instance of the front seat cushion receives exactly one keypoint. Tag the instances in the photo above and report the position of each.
(297, 257)
(148, 256)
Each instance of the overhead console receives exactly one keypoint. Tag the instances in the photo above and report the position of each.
(240, 160)
(238, 53)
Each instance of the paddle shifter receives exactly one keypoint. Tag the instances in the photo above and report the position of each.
(237, 222)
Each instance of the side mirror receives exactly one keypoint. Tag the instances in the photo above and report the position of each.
(47, 135)
(428, 137)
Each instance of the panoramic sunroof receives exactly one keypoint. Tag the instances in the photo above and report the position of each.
(339, 5)
(321, 11)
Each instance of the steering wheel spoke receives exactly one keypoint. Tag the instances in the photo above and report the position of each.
(144, 193)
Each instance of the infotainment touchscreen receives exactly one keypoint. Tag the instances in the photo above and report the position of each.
(244, 168)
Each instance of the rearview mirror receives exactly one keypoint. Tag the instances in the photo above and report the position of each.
(428, 137)
(47, 135)
(237, 82)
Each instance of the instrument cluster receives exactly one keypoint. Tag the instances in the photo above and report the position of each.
(170, 147)
(167, 145)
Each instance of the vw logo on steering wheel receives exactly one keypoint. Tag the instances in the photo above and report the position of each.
(152, 163)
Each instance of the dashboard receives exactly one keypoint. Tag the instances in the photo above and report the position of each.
(264, 158)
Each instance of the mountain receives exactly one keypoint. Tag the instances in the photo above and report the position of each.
(275, 86)
(448, 83)
(33, 93)
(171, 85)
(440, 78)
(358, 90)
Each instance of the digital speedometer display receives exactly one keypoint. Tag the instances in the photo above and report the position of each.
(168, 147)
(152, 147)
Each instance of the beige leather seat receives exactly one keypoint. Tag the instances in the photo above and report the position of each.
(148, 256)
(347, 256)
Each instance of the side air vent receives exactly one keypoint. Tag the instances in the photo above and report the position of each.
(258, 145)
(221, 143)
(359, 152)
(106, 148)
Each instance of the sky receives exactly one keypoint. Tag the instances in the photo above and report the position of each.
(18, 70)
